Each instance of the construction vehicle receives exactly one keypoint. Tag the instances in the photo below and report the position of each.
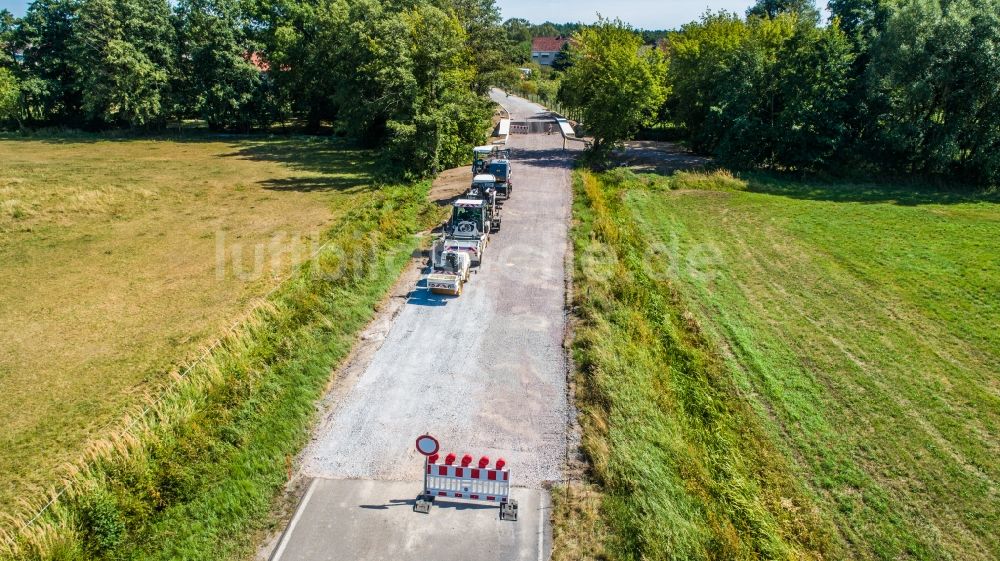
(484, 189)
(480, 157)
(466, 231)
(449, 269)
(500, 169)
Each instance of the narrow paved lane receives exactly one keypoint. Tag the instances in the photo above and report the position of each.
(485, 373)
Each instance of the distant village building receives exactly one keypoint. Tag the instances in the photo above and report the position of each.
(257, 60)
(545, 49)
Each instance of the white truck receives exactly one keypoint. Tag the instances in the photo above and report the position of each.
(495, 161)
(481, 155)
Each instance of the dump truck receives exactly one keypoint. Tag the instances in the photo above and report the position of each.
(500, 169)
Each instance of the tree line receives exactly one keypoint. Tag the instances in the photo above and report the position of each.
(886, 86)
(410, 75)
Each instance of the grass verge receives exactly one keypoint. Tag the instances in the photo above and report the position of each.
(196, 474)
(687, 470)
(784, 369)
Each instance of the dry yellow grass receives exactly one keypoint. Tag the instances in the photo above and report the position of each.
(110, 274)
(579, 532)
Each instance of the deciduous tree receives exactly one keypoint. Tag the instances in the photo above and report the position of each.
(219, 79)
(8, 28)
(122, 59)
(615, 83)
(938, 68)
(51, 92)
(10, 92)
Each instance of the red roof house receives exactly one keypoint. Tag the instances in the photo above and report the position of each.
(544, 49)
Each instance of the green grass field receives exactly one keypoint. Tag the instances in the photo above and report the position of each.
(110, 276)
(847, 332)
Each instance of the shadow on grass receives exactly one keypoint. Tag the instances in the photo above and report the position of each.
(317, 184)
(332, 164)
(893, 192)
(662, 157)
(76, 136)
(341, 166)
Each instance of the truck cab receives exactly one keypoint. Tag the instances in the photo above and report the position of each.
(480, 157)
(468, 229)
(468, 218)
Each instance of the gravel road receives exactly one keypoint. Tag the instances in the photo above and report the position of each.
(484, 372)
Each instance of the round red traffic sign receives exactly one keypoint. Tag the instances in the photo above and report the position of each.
(427, 445)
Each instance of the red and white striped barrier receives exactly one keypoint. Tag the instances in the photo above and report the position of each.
(463, 481)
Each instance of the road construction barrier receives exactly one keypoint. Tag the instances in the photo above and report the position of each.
(464, 481)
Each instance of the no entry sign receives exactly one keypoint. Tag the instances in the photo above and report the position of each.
(427, 445)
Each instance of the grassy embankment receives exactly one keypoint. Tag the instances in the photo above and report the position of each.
(788, 370)
(196, 475)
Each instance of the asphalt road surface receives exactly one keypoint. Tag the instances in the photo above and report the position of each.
(485, 373)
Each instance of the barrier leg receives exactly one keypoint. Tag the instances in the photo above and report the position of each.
(423, 503)
(508, 510)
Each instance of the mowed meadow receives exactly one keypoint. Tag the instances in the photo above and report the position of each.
(819, 361)
(123, 259)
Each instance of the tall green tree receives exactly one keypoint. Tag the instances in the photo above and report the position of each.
(10, 93)
(699, 57)
(861, 20)
(409, 77)
(307, 47)
(50, 91)
(123, 58)
(8, 29)
(938, 67)
(220, 82)
(518, 33)
(805, 9)
(563, 60)
(764, 92)
(616, 85)
(815, 77)
(743, 120)
(484, 39)
(444, 118)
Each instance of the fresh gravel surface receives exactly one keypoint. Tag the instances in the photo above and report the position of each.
(484, 372)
